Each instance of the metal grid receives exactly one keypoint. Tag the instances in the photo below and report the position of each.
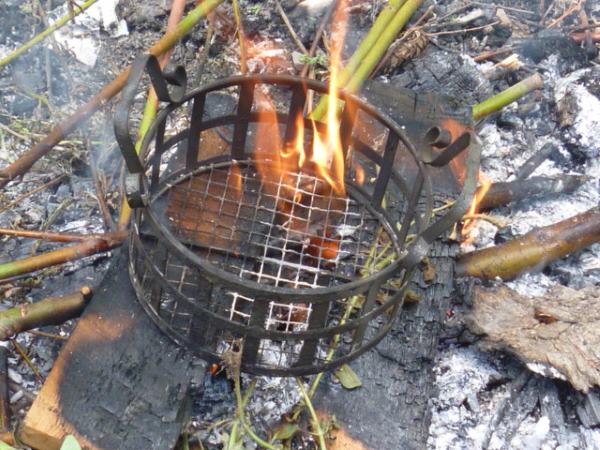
(248, 227)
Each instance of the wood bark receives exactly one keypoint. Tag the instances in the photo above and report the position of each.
(559, 331)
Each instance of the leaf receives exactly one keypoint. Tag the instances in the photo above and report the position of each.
(347, 377)
(285, 431)
(70, 443)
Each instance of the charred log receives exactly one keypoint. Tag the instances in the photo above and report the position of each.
(504, 193)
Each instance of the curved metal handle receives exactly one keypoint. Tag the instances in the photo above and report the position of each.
(160, 81)
(420, 246)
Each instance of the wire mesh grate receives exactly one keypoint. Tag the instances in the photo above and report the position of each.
(245, 225)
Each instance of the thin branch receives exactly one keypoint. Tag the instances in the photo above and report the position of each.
(290, 28)
(48, 235)
(151, 106)
(18, 200)
(62, 255)
(241, 37)
(26, 358)
(463, 30)
(318, 35)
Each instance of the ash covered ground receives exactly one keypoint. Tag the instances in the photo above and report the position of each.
(470, 410)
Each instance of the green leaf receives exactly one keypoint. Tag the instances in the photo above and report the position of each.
(347, 377)
(4, 446)
(70, 443)
(285, 431)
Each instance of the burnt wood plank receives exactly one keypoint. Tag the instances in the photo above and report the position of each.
(118, 382)
(390, 410)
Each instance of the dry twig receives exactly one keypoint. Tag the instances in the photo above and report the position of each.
(89, 247)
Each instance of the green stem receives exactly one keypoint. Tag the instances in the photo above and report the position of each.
(383, 19)
(316, 425)
(233, 436)
(507, 96)
(360, 69)
(48, 31)
(261, 442)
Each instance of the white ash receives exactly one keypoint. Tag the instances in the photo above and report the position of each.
(581, 110)
(466, 405)
(461, 374)
(81, 36)
(462, 413)
(545, 370)
(273, 397)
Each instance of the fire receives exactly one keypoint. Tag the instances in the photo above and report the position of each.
(484, 186)
(288, 170)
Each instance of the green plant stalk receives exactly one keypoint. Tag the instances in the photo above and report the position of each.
(47, 32)
(507, 96)
(241, 403)
(352, 303)
(383, 19)
(356, 74)
(315, 419)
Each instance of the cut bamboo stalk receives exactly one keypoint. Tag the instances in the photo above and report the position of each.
(92, 246)
(372, 49)
(50, 311)
(58, 133)
(47, 32)
(506, 97)
(500, 194)
(534, 250)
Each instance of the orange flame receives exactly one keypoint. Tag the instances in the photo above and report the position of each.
(484, 186)
(278, 163)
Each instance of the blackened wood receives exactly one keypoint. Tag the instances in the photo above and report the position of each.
(589, 411)
(535, 160)
(390, 410)
(503, 193)
(118, 383)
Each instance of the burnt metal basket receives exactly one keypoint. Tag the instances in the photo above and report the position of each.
(223, 256)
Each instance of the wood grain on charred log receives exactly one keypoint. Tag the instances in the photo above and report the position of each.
(560, 329)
